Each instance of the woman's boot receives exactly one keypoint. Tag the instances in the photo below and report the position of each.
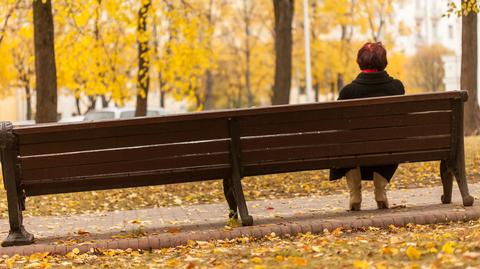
(354, 182)
(380, 184)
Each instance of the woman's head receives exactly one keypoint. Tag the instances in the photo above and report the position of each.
(372, 56)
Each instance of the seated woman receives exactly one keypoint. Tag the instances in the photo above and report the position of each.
(373, 81)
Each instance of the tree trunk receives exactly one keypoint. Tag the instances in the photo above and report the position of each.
(316, 88)
(93, 103)
(209, 81)
(209, 102)
(248, 86)
(45, 69)
(28, 94)
(105, 101)
(340, 82)
(77, 104)
(283, 51)
(469, 78)
(332, 90)
(162, 99)
(143, 78)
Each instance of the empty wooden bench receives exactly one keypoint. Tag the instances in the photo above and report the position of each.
(231, 144)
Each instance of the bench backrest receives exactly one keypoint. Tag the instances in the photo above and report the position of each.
(59, 158)
(113, 154)
(370, 131)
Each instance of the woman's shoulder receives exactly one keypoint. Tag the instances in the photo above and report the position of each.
(347, 92)
(398, 86)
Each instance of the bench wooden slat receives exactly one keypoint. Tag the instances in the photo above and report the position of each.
(437, 117)
(343, 136)
(89, 132)
(123, 141)
(113, 181)
(342, 149)
(123, 154)
(344, 161)
(172, 163)
(347, 113)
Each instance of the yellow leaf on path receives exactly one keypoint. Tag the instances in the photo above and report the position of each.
(72, 254)
(279, 258)
(35, 257)
(136, 221)
(381, 265)
(413, 253)
(299, 261)
(448, 247)
(10, 262)
(260, 267)
(337, 231)
(317, 248)
(256, 260)
(389, 251)
(360, 264)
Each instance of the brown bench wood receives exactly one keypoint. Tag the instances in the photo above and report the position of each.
(230, 144)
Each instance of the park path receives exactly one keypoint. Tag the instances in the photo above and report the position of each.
(171, 226)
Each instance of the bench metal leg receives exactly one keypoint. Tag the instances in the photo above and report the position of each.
(17, 234)
(247, 220)
(232, 204)
(236, 179)
(460, 175)
(447, 182)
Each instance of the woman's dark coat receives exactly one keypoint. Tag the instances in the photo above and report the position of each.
(370, 85)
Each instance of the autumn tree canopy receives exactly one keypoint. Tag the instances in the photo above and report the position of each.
(209, 53)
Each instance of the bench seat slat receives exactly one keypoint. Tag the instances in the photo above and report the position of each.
(343, 136)
(344, 161)
(438, 117)
(118, 180)
(172, 163)
(123, 154)
(342, 149)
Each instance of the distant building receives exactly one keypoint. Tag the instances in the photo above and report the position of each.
(417, 23)
(428, 26)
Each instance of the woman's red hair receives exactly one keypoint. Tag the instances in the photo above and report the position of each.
(372, 56)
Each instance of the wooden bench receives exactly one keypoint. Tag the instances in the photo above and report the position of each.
(231, 144)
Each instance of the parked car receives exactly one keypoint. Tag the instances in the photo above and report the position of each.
(119, 113)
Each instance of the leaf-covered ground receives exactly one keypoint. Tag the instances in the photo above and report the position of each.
(261, 187)
(456, 245)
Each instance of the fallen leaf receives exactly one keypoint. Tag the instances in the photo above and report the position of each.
(361, 264)
(413, 253)
(448, 247)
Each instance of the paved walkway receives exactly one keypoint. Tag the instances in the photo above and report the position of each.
(171, 226)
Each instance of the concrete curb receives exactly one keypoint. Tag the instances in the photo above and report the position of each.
(428, 216)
